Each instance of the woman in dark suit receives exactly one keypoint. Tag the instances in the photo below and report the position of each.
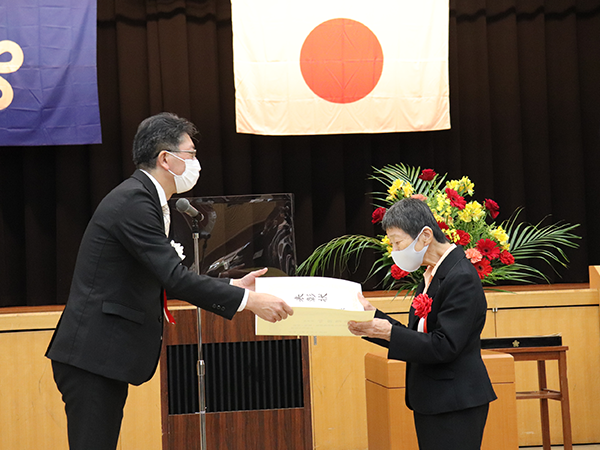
(447, 385)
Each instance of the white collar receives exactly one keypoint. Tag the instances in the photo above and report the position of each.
(431, 270)
(162, 197)
(446, 253)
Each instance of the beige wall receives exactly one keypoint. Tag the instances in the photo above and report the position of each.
(32, 414)
(31, 411)
(337, 364)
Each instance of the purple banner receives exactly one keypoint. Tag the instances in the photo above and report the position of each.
(48, 80)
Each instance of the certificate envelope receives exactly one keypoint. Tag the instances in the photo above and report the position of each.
(322, 306)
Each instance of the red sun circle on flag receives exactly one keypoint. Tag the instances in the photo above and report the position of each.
(341, 60)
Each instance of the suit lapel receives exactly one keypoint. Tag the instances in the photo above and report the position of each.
(445, 267)
(413, 320)
(447, 264)
(149, 185)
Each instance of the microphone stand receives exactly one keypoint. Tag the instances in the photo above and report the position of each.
(200, 368)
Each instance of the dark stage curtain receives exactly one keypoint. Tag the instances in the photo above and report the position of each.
(525, 108)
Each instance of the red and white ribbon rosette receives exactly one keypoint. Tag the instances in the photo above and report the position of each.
(422, 305)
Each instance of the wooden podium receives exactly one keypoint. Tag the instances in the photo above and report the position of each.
(258, 387)
(390, 423)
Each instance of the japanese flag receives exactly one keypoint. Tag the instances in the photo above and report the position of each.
(340, 66)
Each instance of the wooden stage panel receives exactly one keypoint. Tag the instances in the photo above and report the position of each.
(32, 413)
(391, 424)
(260, 429)
(580, 330)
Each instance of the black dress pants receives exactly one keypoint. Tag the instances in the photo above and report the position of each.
(94, 406)
(457, 430)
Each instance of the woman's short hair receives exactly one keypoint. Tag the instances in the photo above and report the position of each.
(411, 215)
(157, 133)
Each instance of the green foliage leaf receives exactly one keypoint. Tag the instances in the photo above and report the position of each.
(339, 252)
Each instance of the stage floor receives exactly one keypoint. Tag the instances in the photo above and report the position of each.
(560, 447)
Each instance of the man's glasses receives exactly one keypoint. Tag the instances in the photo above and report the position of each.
(191, 152)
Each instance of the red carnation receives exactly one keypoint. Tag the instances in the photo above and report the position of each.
(422, 305)
(507, 258)
(397, 272)
(488, 248)
(463, 237)
(492, 207)
(456, 200)
(443, 225)
(378, 215)
(427, 175)
(484, 268)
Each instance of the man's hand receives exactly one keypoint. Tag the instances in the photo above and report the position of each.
(376, 328)
(249, 281)
(268, 307)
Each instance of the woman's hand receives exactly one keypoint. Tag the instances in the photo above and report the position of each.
(376, 328)
(366, 304)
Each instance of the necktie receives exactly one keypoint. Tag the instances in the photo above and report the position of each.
(166, 217)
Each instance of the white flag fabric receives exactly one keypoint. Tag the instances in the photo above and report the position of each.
(340, 66)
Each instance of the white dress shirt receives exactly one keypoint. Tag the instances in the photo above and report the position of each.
(428, 276)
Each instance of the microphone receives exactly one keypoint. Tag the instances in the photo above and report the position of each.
(183, 205)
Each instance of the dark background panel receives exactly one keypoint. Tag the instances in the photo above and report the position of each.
(525, 128)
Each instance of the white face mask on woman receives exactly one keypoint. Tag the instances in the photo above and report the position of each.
(188, 179)
(409, 259)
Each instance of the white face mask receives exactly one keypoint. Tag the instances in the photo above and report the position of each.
(188, 179)
(409, 259)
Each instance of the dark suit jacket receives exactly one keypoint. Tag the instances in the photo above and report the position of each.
(112, 323)
(444, 370)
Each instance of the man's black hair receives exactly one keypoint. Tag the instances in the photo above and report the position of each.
(156, 133)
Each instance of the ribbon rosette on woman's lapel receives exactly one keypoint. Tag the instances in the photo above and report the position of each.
(422, 305)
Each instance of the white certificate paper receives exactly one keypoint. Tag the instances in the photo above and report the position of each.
(322, 306)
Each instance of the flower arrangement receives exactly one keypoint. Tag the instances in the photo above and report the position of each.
(499, 252)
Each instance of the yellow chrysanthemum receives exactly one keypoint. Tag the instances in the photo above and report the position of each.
(453, 184)
(400, 185)
(473, 211)
(500, 235)
(387, 244)
(452, 235)
(467, 185)
(442, 204)
(407, 189)
(438, 218)
(462, 187)
(393, 190)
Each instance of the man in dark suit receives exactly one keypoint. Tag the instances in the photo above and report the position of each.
(447, 385)
(110, 333)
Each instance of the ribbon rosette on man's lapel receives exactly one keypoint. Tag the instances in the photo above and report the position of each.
(422, 305)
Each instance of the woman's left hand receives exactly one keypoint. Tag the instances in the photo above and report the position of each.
(376, 328)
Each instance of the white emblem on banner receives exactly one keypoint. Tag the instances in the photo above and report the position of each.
(11, 66)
